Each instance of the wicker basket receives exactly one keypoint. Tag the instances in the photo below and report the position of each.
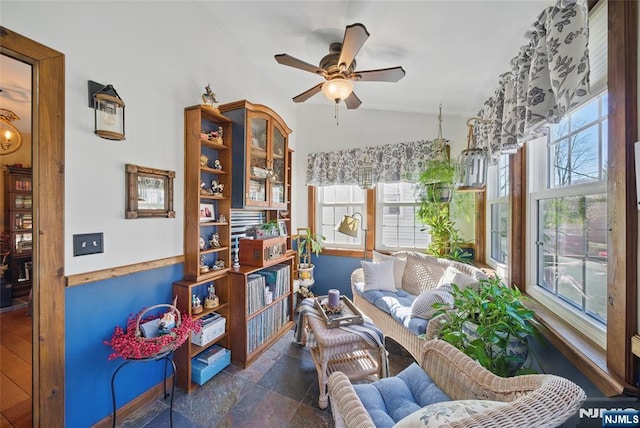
(131, 344)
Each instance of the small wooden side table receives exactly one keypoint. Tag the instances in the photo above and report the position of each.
(340, 350)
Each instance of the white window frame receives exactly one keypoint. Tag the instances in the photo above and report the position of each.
(539, 189)
(494, 197)
(347, 207)
(380, 207)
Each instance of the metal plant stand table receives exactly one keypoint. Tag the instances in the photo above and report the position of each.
(167, 361)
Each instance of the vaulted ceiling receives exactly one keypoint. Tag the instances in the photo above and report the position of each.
(451, 50)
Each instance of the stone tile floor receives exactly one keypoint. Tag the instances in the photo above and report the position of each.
(280, 389)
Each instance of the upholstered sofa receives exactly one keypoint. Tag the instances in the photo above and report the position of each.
(457, 392)
(390, 301)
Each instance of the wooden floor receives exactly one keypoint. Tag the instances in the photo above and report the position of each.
(15, 369)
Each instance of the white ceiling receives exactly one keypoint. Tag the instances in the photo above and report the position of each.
(15, 83)
(452, 51)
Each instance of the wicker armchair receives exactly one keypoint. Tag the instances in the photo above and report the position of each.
(535, 400)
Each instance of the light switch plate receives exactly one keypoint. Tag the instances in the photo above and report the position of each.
(87, 243)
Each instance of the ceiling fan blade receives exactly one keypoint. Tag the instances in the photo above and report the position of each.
(354, 37)
(352, 101)
(285, 59)
(392, 74)
(308, 93)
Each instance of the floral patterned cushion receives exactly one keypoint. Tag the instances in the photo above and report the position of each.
(442, 414)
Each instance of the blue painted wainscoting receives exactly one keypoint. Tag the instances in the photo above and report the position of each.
(333, 272)
(92, 312)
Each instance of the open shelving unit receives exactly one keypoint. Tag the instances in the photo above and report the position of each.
(201, 150)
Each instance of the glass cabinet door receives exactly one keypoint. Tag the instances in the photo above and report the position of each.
(258, 168)
(22, 183)
(279, 167)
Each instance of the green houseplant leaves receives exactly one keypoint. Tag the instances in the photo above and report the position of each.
(487, 323)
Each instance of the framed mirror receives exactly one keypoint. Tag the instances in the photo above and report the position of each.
(149, 192)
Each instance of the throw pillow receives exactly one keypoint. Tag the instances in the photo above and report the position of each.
(421, 273)
(443, 414)
(454, 276)
(399, 263)
(378, 276)
(422, 306)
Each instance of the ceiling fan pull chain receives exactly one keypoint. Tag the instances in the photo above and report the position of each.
(336, 113)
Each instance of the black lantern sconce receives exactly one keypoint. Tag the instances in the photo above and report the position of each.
(108, 110)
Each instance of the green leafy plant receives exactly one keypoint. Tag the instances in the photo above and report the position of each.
(308, 243)
(487, 322)
(438, 201)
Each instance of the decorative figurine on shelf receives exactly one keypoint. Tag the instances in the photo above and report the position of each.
(209, 97)
(203, 190)
(204, 160)
(211, 301)
(203, 244)
(220, 189)
(214, 187)
(219, 264)
(216, 136)
(236, 256)
(215, 240)
(167, 322)
(196, 305)
(217, 165)
(204, 268)
(222, 219)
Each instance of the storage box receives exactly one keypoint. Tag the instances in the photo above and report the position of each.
(210, 331)
(260, 252)
(200, 372)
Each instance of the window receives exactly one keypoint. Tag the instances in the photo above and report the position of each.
(568, 205)
(334, 202)
(396, 223)
(498, 210)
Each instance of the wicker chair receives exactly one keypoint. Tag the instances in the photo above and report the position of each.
(535, 400)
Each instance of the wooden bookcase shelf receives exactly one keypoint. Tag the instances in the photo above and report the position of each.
(274, 319)
(201, 119)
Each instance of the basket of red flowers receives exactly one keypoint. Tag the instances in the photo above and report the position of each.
(150, 334)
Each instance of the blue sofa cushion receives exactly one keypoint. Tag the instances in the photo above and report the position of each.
(397, 304)
(390, 399)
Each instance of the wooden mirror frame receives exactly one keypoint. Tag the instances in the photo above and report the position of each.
(134, 174)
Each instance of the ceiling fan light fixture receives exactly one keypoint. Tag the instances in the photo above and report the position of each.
(337, 89)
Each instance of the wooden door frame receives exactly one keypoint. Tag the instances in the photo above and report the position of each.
(48, 223)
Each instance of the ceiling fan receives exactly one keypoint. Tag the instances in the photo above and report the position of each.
(338, 66)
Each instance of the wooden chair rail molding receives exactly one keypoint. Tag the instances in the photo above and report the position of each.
(99, 275)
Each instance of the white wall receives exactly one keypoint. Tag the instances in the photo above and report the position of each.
(155, 55)
(317, 132)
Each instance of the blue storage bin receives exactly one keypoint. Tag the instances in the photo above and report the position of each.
(200, 372)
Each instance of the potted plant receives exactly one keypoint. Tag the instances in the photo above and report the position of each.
(490, 324)
(307, 243)
(268, 229)
(438, 200)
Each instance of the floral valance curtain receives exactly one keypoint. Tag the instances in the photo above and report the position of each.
(391, 163)
(549, 76)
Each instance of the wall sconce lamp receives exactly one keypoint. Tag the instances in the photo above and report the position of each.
(108, 110)
(472, 163)
(350, 226)
(10, 137)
